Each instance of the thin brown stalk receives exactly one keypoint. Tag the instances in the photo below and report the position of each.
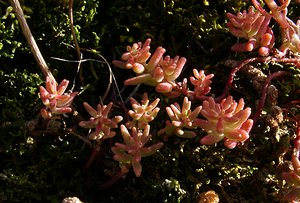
(30, 39)
(73, 30)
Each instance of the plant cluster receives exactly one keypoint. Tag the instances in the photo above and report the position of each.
(123, 134)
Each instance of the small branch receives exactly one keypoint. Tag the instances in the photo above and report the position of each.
(265, 92)
(92, 158)
(73, 30)
(234, 71)
(30, 39)
(114, 179)
(272, 59)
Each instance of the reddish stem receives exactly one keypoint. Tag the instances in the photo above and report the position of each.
(114, 178)
(234, 71)
(265, 92)
(93, 156)
(297, 140)
(293, 61)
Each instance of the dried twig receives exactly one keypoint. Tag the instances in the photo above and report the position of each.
(30, 39)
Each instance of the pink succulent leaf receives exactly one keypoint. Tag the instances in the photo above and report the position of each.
(90, 110)
(126, 135)
(145, 137)
(158, 74)
(237, 135)
(51, 86)
(124, 147)
(245, 47)
(120, 155)
(194, 114)
(247, 125)
(155, 59)
(62, 87)
(164, 87)
(88, 124)
(45, 114)
(176, 110)
(292, 195)
(109, 123)
(291, 177)
(138, 68)
(117, 119)
(240, 105)
(143, 78)
(66, 99)
(230, 144)
(220, 125)
(137, 168)
(61, 110)
(147, 151)
(186, 106)
(119, 64)
(176, 123)
(205, 124)
(211, 138)
(153, 105)
(134, 115)
(44, 96)
(296, 164)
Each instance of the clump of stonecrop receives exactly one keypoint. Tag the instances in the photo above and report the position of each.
(54, 98)
(101, 121)
(221, 118)
(253, 25)
(227, 120)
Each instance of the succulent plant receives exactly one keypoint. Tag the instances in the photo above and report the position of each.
(227, 120)
(182, 119)
(254, 27)
(55, 99)
(156, 70)
(201, 83)
(100, 121)
(133, 149)
(143, 112)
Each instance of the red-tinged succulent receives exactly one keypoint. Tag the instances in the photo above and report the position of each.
(156, 70)
(143, 112)
(254, 27)
(289, 30)
(227, 120)
(133, 149)
(55, 99)
(182, 119)
(168, 71)
(181, 88)
(201, 83)
(100, 121)
(136, 57)
(292, 177)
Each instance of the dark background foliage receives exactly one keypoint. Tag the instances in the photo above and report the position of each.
(46, 165)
